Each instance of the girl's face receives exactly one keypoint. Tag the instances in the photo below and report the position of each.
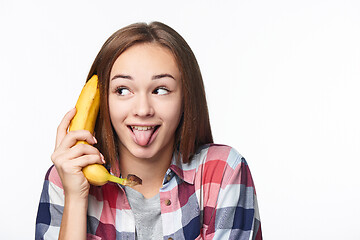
(145, 100)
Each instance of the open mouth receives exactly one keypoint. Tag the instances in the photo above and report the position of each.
(144, 135)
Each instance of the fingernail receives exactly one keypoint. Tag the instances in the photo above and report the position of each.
(94, 139)
(102, 158)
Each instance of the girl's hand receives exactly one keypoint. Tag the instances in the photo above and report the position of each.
(69, 159)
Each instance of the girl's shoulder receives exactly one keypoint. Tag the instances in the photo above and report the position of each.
(221, 164)
(210, 162)
(220, 153)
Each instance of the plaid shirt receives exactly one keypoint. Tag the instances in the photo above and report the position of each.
(213, 197)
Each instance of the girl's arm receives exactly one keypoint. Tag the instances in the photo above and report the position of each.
(59, 217)
(66, 193)
(73, 223)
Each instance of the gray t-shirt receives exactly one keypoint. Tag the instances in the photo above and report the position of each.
(147, 215)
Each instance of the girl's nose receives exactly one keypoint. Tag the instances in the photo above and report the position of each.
(143, 107)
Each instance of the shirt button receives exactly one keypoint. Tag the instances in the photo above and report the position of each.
(168, 202)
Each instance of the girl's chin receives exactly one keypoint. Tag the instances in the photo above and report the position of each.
(141, 152)
(154, 150)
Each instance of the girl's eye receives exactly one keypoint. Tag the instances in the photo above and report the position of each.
(123, 91)
(161, 91)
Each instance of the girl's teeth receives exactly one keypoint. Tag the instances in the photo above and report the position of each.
(139, 128)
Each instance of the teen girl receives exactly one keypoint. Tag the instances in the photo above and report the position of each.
(153, 123)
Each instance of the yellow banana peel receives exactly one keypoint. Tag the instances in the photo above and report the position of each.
(87, 108)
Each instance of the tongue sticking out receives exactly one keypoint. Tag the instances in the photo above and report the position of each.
(143, 136)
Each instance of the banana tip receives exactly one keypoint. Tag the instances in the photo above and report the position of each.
(133, 180)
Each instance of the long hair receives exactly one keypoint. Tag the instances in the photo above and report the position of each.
(194, 128)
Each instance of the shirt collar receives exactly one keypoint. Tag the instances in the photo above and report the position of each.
(184, 171)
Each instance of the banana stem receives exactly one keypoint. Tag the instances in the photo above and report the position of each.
(131, 180)
(116, 179)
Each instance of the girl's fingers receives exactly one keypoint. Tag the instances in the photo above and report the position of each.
(71, 138)
(86, 160)
(74, 166)
(81, 150)
(63, 126)
(69, 154)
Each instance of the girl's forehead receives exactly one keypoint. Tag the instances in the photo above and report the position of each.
(140, 49)
(146, 57)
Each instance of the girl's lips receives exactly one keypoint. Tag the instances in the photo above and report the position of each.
(144, 135)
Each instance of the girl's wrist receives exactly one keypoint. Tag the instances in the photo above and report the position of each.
(76, 205)
(73, 223)
(76, 200)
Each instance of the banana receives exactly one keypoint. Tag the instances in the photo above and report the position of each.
(87, 108)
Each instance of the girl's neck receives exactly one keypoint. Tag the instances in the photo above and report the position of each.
(152, 170)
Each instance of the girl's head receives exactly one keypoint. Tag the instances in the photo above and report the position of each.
(193, 129)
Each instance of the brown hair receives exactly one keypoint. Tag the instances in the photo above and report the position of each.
(194, 128)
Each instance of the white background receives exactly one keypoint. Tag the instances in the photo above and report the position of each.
(282, 82)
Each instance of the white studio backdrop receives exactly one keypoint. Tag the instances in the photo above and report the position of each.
(282, 82)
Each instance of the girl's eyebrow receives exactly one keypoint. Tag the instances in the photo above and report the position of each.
(122, 76)
(162, 76)
(155, 77)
